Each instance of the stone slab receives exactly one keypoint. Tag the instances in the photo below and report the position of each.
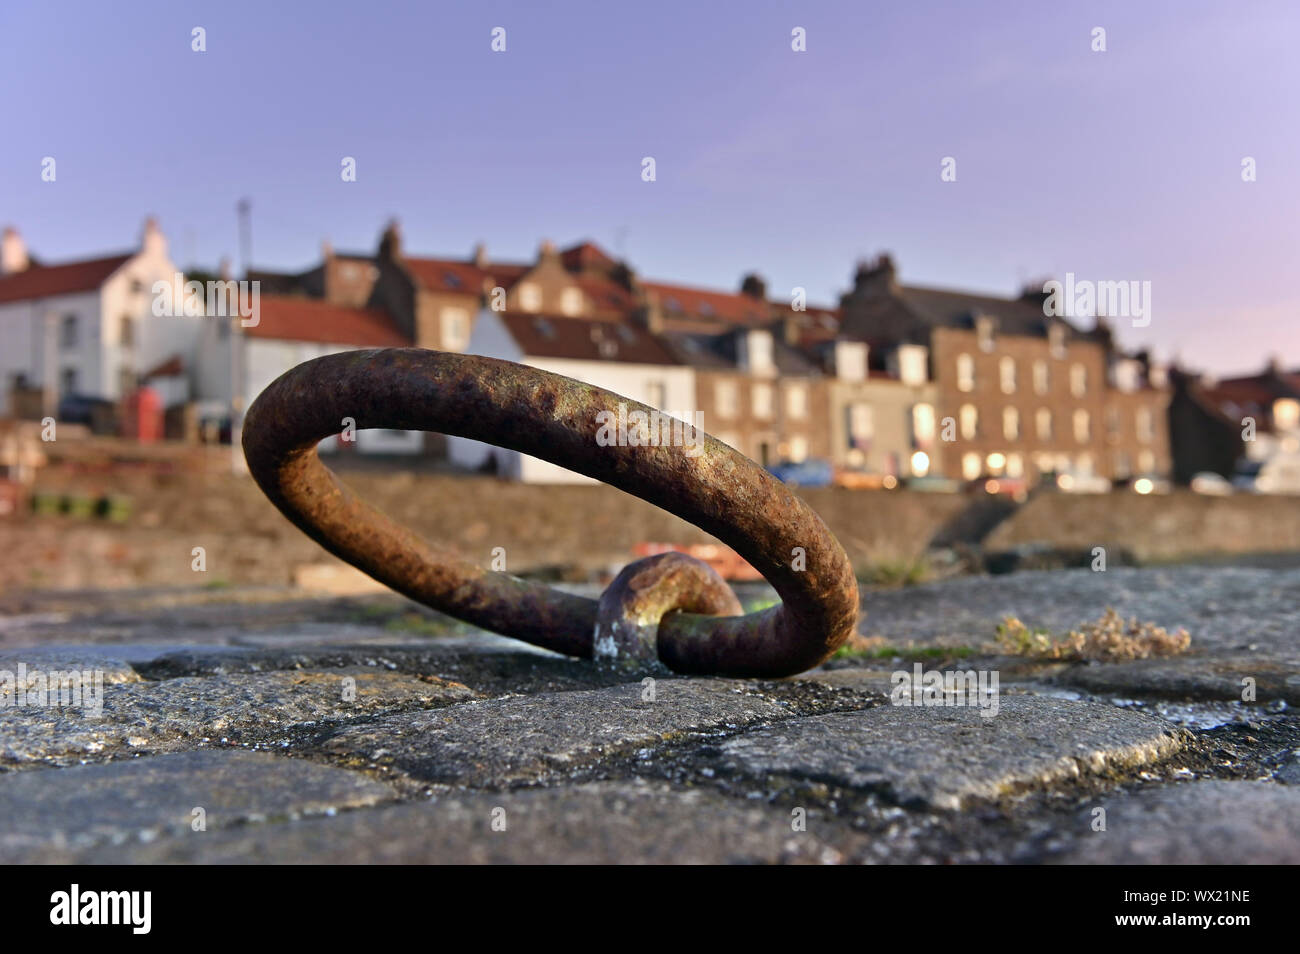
(943, 756)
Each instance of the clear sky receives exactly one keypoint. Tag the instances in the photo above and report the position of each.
(1117, 165)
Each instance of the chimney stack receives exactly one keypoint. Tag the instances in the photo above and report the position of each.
(13, 252)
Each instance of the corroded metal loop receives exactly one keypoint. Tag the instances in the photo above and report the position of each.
(630, 609)
(555, 418)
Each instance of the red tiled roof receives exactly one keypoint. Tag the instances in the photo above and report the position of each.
(586, 255)
(291, 318)
(732, 307)
(441, 274)
(552, 336)
(43, 281)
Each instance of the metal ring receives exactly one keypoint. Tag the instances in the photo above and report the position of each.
(554, 418)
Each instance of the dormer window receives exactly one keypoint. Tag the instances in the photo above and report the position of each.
(571, 301)
(530, 297)
(984, 328)
(706, 309)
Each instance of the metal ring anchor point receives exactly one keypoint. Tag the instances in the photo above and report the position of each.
(670, 606)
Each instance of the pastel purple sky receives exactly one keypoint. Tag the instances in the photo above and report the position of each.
(1116, 165)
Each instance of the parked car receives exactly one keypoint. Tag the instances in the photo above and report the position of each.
(1211, 484)
(934, 484)
(863, 480)
(813, 472)
(1277, 475)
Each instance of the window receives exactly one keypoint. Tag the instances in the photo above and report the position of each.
(571, 301)
(984, 332)
(1112, 423)
(68, 332)
(1078, 380)
(965, 373)
(923, 425)
(1147, 462)
(1015, 465)
(126, 332)
(1123, 464)
(1007, 375)
(127, 381)
(455, 329)
(796, 401)
(1056, 341)
(970, 466)
(725, 399)
(69, 382)
(656, 394)
(798, 449)
(1145, 425)
(1082, 426)
(1043, 423)
(762, 400)
(1084, 464)
(1011, 423)
(862, 426)
(1041, 379)
(530, 297)
(969, 421)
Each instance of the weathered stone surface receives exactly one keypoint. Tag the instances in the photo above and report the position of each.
(600, 823)
(939, 757)
(54, 815)
(505, 740)
(1213, 822)
(112, 667)
(183, 713)
(1228, 610)
(489, 664)
(1189, 677)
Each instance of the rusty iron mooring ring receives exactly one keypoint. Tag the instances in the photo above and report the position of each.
(554, 418)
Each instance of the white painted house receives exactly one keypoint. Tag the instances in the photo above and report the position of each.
(86, 328)
(617, 356)
(289, 330)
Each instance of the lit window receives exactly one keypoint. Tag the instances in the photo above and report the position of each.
(965, 373)
(1043, 423)
(969, 421)
(923, 425)
(1007, 375)
(1147, 462)
(530, 297)
(1040, 377)
(762, 400)
(1010, 423)
(970, 466)
(796, 401)
(1078, 380)
(571, 301)
(1015, 465)
(798, 449)
(1082, 426)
